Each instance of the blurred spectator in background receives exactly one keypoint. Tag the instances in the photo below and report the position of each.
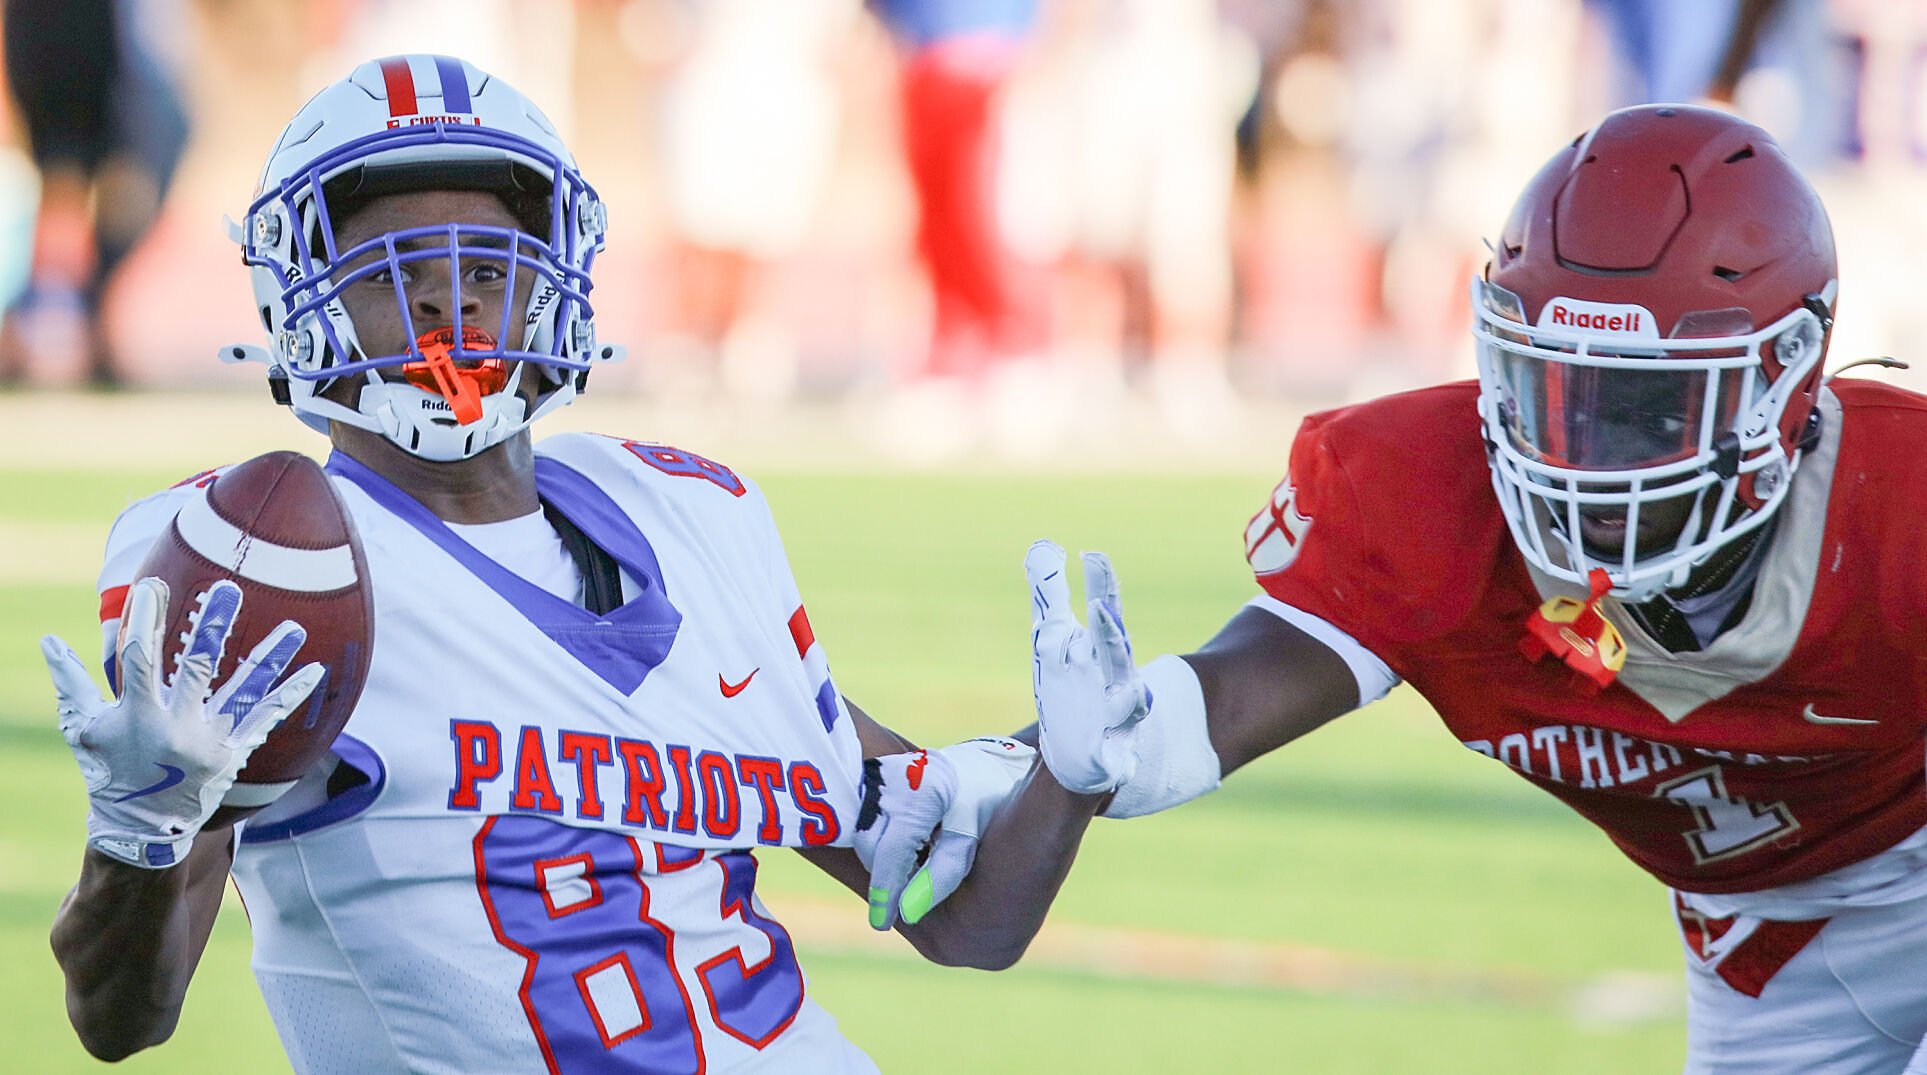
(956, 57)
(1440, 111)
(1415, 114)
(105, 127)
(1770, 59)
(1123, 141)
(530, 43)
(1276, 30)
(1299, 257)
(1877, 186)
(1395, 124)
(1006, 208)
(749, 121)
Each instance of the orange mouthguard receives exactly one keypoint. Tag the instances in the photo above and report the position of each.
(463, 386)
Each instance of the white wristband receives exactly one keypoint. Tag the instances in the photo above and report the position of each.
(149, 854)
(1175, 761)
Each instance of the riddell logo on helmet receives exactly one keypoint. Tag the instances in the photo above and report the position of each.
(1620, 320)
(1562, 315)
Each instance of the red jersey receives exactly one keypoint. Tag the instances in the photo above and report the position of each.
(1791, 746)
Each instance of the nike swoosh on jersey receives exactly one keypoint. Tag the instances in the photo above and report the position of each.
(1817, 718)
(731, 690)
(172, 776)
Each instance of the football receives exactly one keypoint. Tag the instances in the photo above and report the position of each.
(275, 526)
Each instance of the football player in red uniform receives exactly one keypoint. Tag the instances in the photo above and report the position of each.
(1652, 561)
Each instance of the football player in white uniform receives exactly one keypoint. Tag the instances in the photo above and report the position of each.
(593, 692)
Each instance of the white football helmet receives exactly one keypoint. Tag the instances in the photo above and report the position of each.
(1651, 328)
(409, 123)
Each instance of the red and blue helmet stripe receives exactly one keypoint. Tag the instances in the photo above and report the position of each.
(451, 85)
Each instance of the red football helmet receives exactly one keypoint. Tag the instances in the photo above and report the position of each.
(1651, 328)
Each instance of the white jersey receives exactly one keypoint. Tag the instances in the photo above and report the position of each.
(549, 865)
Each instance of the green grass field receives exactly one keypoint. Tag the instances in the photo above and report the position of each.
(1373, 898)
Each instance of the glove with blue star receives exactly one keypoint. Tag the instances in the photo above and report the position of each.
(159, 758)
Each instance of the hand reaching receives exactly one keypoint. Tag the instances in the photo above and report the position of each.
(159, 758)
(1089, 696)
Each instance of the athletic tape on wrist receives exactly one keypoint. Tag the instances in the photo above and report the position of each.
(1175, 761)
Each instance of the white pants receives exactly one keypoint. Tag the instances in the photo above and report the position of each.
(1853, 1001)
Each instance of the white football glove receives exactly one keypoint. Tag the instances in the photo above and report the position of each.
(158, 759)
(1089, 696)
(909, 800)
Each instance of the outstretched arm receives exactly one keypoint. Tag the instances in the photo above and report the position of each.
(1027, 820)
(1260, 683)
(1266, 682)
(1269, 676)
